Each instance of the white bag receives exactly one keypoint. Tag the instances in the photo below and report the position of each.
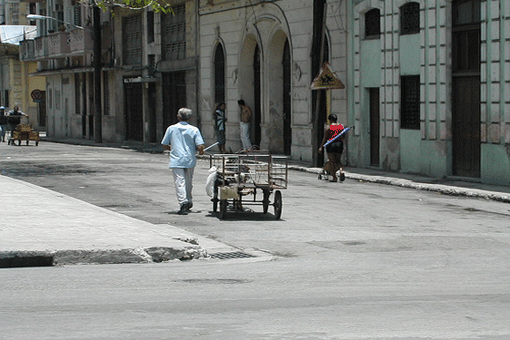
(209, 184)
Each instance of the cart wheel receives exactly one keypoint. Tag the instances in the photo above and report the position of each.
(277, 204)
(215, 199)
(265, 200)
(37, 143)
(223, 209)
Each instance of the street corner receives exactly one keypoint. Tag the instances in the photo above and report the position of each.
(17, 259)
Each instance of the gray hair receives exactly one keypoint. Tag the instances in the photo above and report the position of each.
(184, 113)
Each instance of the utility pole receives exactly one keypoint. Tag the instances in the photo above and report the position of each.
(98, 121)
(319, 23)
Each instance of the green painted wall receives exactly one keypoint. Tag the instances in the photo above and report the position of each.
(410, 151)
(433, 158)
(495, 162)
(410, 50)
(370, 63)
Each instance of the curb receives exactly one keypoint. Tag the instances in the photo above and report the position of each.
(14, 259)
(405, 183)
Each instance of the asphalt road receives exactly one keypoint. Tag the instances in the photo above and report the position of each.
(353, 261)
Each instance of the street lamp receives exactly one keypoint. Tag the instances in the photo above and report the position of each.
(98, 134)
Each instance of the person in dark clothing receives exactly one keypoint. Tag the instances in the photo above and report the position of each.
(14, 118)
(219, 125)
(3, 123)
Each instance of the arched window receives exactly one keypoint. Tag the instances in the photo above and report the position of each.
(373, 24)
(219, 75)
(410, 18)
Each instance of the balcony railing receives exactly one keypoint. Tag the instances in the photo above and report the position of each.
(58, 44)
(80, 41)
(41, 47)
(27, 50)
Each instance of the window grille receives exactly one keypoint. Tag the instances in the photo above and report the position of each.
(150, 26)
(410, 102)
(373, 24)
(77, 15)
(132, 40)
(410, 18)
(174, 34)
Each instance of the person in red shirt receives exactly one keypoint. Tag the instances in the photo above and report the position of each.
(335, 149)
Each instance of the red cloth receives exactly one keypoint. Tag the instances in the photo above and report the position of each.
(334, 130)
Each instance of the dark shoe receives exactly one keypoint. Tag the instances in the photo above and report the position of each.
(184, 209)
(190, 205)
(342, 177)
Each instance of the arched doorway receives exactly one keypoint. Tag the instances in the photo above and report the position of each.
(279, 132)
(249, 84)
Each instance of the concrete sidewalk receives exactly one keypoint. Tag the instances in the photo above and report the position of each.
(42, 227)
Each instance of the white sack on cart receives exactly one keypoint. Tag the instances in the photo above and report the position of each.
(209, 183)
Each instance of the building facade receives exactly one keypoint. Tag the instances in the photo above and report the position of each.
(430, 87)
(15, 84)
(14, 12)
(266, 53)
(148, 69)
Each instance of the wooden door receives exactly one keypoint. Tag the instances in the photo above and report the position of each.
(134, 111)
(466, 126)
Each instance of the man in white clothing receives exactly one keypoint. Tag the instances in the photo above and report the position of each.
(183, 140)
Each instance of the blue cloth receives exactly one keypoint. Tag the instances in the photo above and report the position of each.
(183, 139)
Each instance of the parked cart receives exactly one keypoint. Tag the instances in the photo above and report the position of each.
(238, 176)
(24, 132)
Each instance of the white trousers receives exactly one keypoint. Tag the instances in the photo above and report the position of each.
(245, 135)
(183, 180)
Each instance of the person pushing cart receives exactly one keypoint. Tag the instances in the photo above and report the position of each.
(333, 142)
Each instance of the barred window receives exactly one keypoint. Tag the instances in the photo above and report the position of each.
(132, 40)
(373, 24)
(410, 102)
(174, 34)
(150, 26)
(410, 18)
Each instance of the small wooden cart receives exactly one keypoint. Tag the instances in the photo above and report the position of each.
(24, 132)
(238, 176)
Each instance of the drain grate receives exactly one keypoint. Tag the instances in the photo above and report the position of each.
(231, 255)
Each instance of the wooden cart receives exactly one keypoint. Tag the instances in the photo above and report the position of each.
(24, 132)
(238, 176)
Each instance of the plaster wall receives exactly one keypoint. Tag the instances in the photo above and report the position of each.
(238, 29)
